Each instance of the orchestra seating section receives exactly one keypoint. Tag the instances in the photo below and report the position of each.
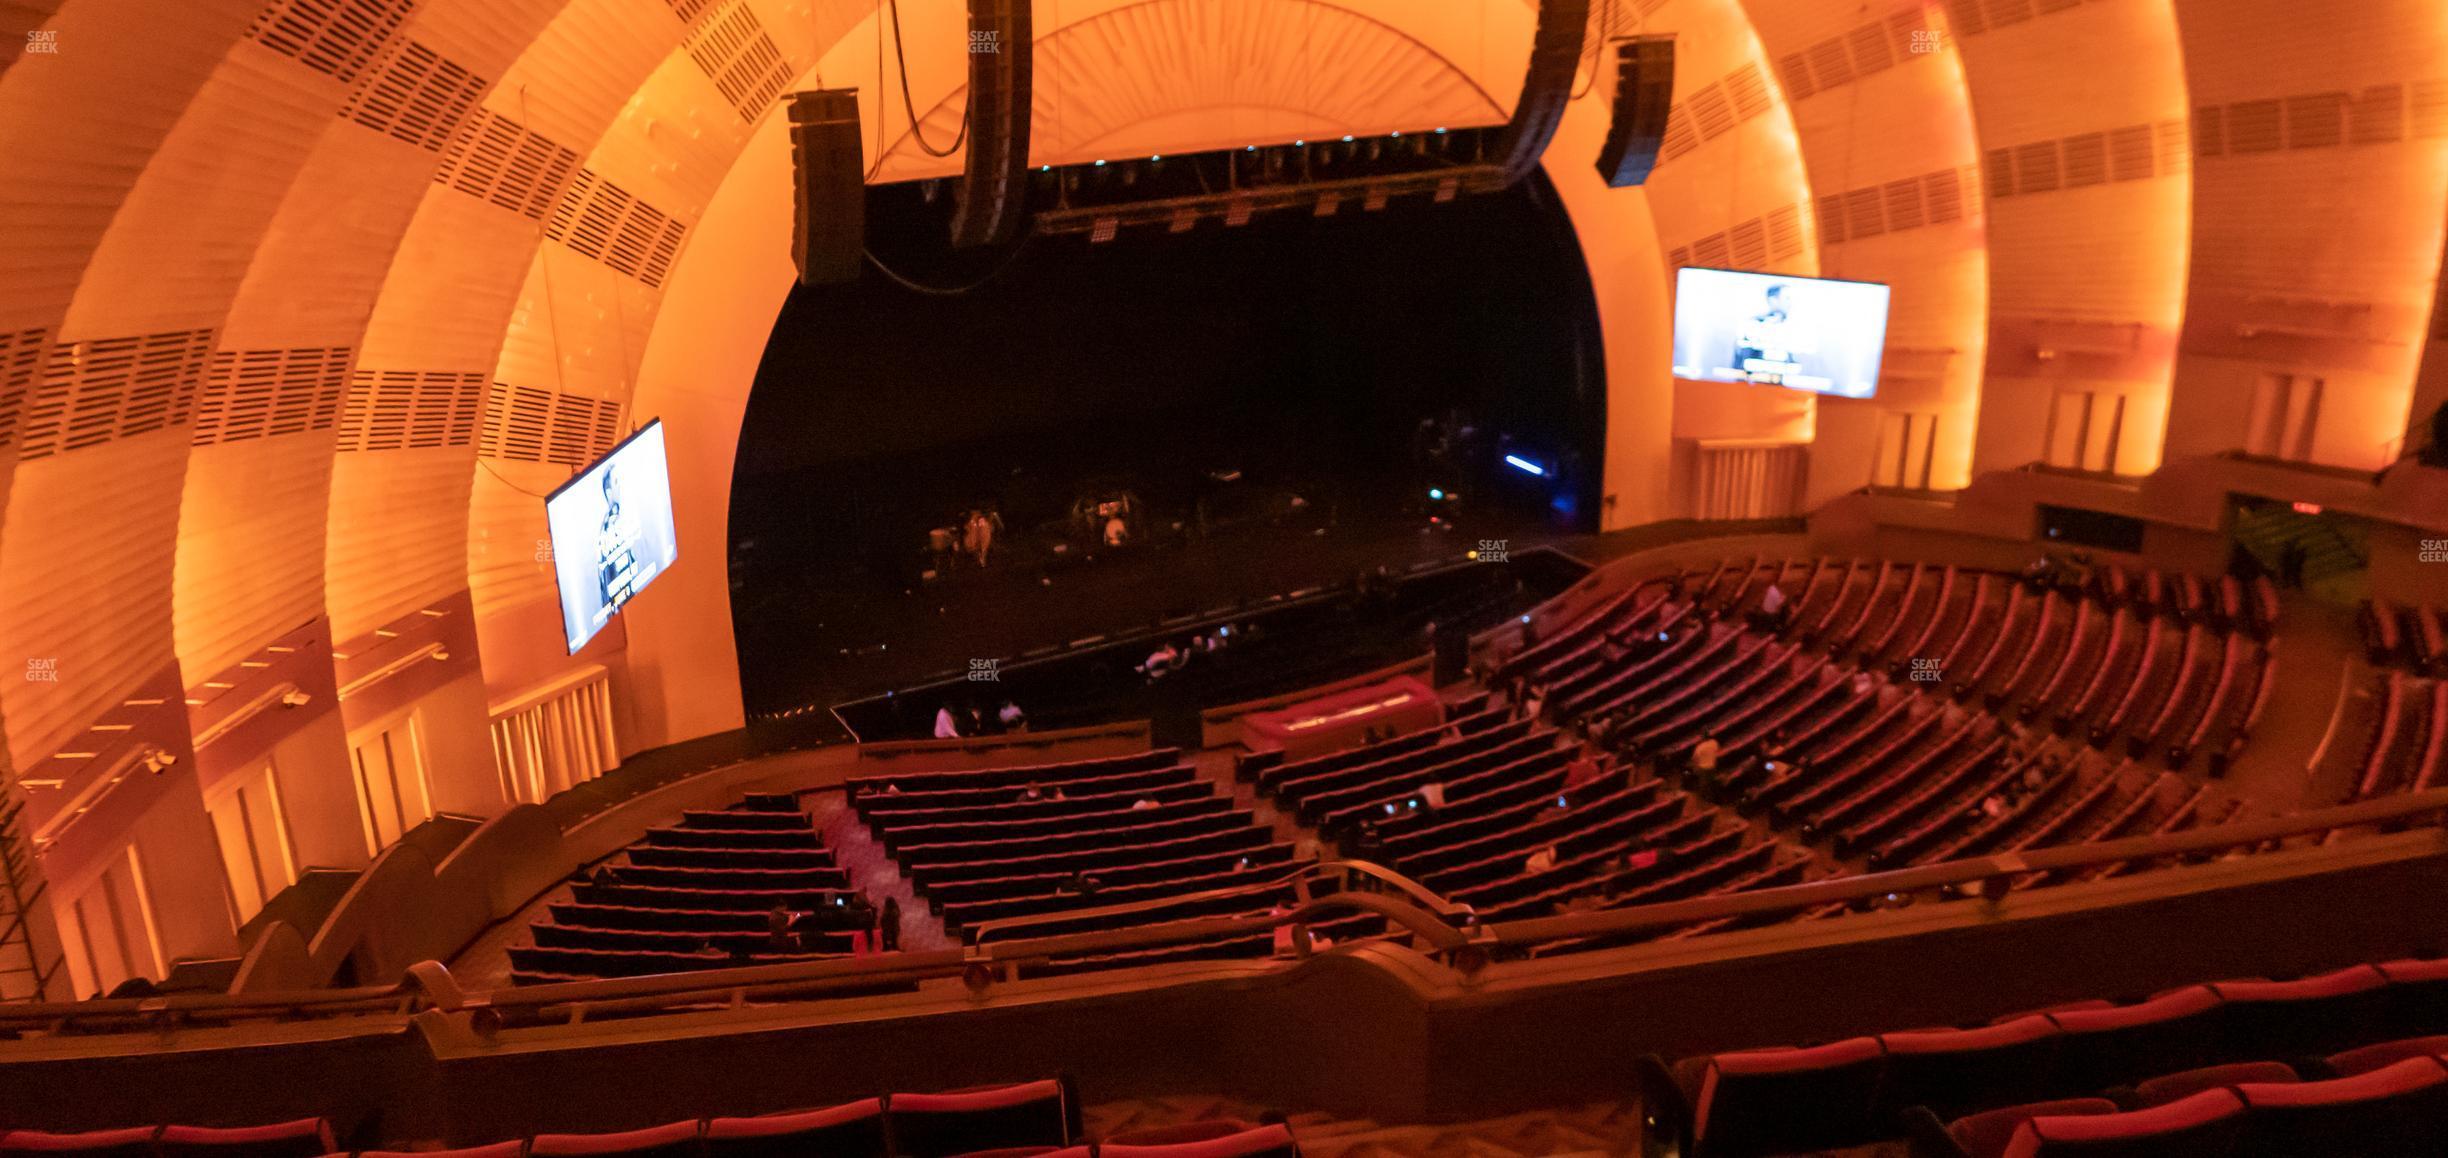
(2407, 749)
(1013, 1121)
(2344, 1063)
(1865, 714)
(698, 894)
(1049, 849)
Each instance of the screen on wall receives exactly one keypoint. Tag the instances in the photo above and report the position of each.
(611, 532)
(1769, 329)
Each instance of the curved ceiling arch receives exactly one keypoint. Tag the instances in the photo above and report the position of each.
(1221, 81)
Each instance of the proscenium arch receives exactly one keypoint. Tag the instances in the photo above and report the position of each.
(729, 285)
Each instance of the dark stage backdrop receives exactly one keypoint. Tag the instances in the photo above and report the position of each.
(1302, 352)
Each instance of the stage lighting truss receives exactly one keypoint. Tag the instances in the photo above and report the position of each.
(1178, 190)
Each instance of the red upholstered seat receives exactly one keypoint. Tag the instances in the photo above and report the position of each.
(987, 1118)
(1957, 1071)
(2397, 1111)
(2166, 1088)
(510, 1149)
(2127, 1043)
(1774, 1100)
(302, 1138)
(132, 1142)
(2206, 1125)
(1986, 1134)
(2309, 1016)
(2418, 995)
(1262, 1142)
(676, 1140)
(2387, 1053)
(853, 1130)
(1034, 1152)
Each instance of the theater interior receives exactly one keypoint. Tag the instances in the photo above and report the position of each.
(1223, 578)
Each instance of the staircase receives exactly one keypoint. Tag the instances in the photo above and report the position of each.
(2334, 563)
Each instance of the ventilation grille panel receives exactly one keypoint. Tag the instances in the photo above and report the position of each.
(603, 222)
(498, 160)
(106, 389)
(411, 409)
(335, 37)
(417, 96)
(21, 357)
(735, 53)
(532, 424)
(268, 393)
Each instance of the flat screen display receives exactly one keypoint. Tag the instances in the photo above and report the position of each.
(1806, 333)
(611, 532)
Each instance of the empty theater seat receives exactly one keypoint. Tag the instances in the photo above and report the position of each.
(1273, 1141)
(132, 1142)
(855, 1130)
(1038, 1113)
(514, 1148)
(2396, 1111)
(303, 1138)
(676, 1140)
(2210, 1124)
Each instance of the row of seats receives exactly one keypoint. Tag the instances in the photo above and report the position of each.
(2240, 1110)
(2415, 638)
(2407, 750)
(1060, 844)
(1010, 1121)
(700, 894)
(1861, 1090)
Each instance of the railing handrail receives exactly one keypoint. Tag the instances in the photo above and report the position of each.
(1426, 923)
(1420, 896)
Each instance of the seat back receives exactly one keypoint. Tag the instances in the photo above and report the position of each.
(1958, 1071)
(2418, 995)
(675, 1140)
(1778, 1100)
(1261, 1142)
(303, 1138)
(514, 1148)
(2397, 1111)
(855, 1130)
(133, 1142)
(994, 1118)
(2307, 1017)
(2207, 1125)
(2128, 1043)
(1987, 1134)
(2386, 1053)
(2182, 1084)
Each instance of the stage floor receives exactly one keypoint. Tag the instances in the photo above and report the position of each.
(846, 642)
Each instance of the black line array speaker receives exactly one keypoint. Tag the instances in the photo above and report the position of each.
(829, 207)
(991, 201)
(1555, 53)
(1644, 88)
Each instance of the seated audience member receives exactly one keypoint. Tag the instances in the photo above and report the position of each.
(1540, 861)
(946, 728)
(1582, 771)
(1433, 794)
(1031, 793)
(1011, 717)
(1142, 804)
(778, 936)
(1704, 757)
(889, 925)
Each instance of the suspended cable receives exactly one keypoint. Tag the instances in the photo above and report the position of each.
(909, 106)
(983, 280)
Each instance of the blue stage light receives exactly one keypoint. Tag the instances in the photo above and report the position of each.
(1436, 494)
(1523, 464)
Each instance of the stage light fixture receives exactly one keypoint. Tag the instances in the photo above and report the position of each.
(1436, 494)
(1522, 464)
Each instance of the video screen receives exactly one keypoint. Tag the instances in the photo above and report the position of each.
(1769, 329)
(611, 533)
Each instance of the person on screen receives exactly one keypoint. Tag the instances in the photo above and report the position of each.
(616, 540)
(1767, 342)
